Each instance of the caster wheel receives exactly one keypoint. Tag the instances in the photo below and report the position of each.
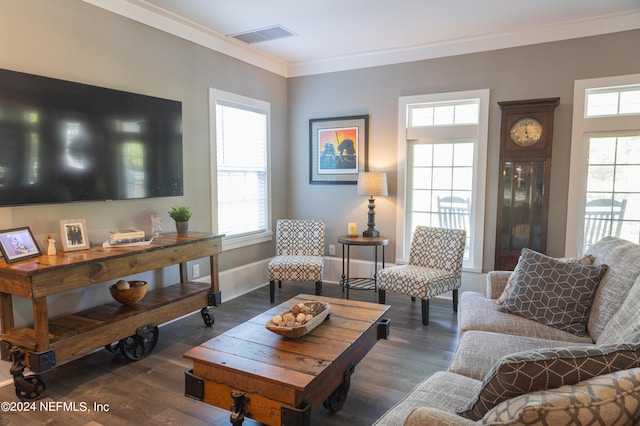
(207, 317)
(336, 400)
(139, 345)
(33, 389)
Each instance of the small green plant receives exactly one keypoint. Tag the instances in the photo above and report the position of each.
(180, 213)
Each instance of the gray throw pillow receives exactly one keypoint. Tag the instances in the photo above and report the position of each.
(552, 292)
(550, 368)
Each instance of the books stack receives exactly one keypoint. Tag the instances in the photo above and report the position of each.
(127, 238)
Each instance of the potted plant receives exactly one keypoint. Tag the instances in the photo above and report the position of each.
(181, 214)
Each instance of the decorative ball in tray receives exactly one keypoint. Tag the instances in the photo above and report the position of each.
(128, 292)
(300, 319)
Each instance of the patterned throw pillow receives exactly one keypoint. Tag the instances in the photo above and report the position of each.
(605, 400)
(584, 260)
(554, 293)
(535, 370)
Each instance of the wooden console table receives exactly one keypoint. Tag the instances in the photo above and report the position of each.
(51, 341)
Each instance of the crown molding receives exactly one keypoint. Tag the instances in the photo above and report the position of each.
(191, 31)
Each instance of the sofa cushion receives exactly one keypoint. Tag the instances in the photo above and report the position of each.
(478, 351)
(442, 390)
(605, 400)
(584, 260)
(549, 368)
(626, 322)
(623, 259)
(552, 292)
(477, 312)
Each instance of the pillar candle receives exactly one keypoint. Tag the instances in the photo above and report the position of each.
(352, 228)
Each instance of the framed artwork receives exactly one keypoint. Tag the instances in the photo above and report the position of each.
(17, 244)
(338, 149)
(73, 233)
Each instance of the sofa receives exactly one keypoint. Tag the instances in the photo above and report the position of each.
(556, 341)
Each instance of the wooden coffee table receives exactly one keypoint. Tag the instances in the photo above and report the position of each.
(281, 381)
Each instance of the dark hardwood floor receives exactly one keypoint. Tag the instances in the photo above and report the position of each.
(151, 391)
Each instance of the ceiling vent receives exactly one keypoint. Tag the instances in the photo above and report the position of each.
(264, 34)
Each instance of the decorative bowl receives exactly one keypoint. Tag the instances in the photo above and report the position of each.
(129, 296)
(320, 310)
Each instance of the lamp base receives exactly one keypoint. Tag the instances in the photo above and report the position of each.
(371, 233)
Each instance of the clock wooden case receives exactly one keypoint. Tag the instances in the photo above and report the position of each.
(526, 139)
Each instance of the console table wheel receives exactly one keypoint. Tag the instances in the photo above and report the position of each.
(30, 388)
(338, 397)
(207, 317)
(139, 345)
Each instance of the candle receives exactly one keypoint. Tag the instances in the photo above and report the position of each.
(352, 228)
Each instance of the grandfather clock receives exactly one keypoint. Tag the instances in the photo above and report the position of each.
(526, 137)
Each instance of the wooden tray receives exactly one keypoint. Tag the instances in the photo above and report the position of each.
(303, 329)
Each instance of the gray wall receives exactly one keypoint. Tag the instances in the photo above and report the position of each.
(75, 41)
(539, 71)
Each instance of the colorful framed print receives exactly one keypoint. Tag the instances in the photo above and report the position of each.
(338, 149)
(73, 233)
(17, 244)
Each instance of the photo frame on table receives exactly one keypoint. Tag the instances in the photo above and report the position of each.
(73, 233)
(17, 244)
(338, 149)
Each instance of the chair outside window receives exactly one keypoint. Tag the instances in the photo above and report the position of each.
(299, 253)
(453, 212)
(435, 267)
(603, 217)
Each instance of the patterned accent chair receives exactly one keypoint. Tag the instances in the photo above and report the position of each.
(299, 253)
(435, 267)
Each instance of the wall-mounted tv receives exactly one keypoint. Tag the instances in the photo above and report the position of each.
(62, 142)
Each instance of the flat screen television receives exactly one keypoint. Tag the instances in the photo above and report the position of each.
(62, 142)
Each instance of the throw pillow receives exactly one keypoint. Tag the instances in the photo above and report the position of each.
(554, 293)
(584, 260)
(535, 370)
(605, 400)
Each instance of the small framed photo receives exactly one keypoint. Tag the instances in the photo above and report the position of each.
(338, 149)
(73, 233)
(17, 244)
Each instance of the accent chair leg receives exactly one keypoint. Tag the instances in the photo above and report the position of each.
(381, 296)
(318, 288)
(425, 311)
(455, 300)
(272, 290)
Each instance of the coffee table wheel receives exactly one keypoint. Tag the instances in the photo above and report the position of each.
(207, 317)
(139, 345)
(336, 400)
(30, 388)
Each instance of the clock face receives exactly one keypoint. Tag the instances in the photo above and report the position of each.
(526, 131)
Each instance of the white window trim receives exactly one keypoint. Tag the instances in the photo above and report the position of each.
(229, 243)
(578, 159)
(480, 161)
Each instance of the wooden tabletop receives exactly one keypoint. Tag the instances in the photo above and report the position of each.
(359, 240)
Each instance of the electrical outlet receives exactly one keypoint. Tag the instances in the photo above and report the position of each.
(332, 250)
(196, 271)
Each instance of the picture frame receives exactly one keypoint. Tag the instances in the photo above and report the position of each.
(73, 233)
(338, 149)
(17, 244)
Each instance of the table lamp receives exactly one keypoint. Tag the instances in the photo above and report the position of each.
(371, 184)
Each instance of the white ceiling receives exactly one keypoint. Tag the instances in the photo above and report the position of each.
(336, 35)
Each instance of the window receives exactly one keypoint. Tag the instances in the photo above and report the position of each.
(605, 162)
(442, 156)
(240, 150)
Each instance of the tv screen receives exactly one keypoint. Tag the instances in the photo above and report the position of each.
(62, 142)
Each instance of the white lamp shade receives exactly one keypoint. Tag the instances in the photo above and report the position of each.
(372, 183)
